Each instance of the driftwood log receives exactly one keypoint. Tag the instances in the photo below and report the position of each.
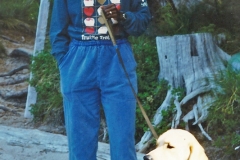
(188, 62)
(12, 72)
(27, 142)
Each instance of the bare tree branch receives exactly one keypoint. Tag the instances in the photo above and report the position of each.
(6, 109)
(10, 73)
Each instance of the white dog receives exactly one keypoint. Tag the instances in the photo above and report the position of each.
(177, 144)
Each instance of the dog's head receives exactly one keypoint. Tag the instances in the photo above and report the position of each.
(177, 144)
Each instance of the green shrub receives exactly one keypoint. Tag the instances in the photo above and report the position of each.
(216, 17)
(24, 10)
(151, 91)
(21, 15)
(224, 120)
(46, 81)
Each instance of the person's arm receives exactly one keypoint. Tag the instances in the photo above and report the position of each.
(59, 37)
(135, 15)
(137, 19)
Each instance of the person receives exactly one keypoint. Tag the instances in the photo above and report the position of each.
(91, 75)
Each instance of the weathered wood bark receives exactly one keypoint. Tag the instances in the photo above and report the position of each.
(39, 46)
(189, 62)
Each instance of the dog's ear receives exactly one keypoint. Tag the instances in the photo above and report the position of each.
(197, 152)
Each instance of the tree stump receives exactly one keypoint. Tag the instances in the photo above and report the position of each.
(188, 62)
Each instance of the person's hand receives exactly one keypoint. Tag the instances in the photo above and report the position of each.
(112, 11)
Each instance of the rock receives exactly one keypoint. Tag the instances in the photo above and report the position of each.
(23, 53)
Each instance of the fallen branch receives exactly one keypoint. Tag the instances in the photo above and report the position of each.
(15, 104)
(9, 39)
(177, 117)
(15, 81)
(195, 93)
(10, 73)
(14, 94)
(105, 131)
(6, 109)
